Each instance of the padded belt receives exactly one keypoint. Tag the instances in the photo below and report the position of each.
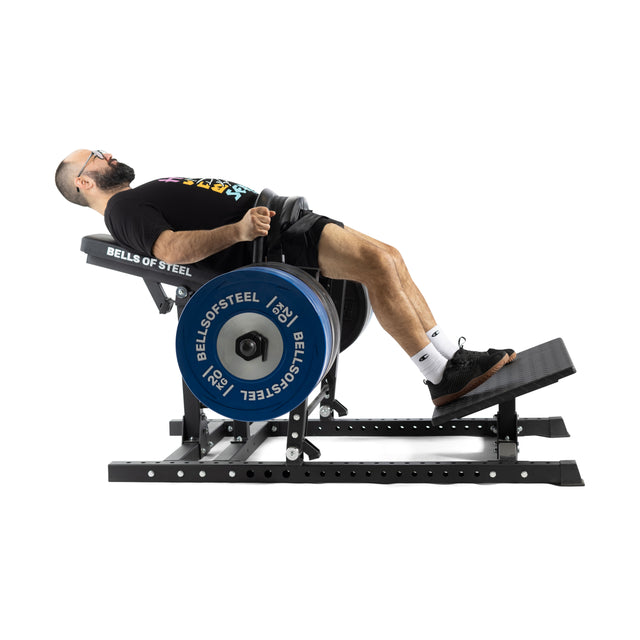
(288, 210)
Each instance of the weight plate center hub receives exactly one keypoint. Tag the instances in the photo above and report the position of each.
(250, 346)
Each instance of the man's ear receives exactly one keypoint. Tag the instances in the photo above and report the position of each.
(84, 183)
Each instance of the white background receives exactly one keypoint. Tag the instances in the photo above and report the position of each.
(494, 143)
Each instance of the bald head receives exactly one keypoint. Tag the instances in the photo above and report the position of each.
(100, 177)
(66, 173)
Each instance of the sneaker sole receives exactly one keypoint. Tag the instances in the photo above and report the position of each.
(472, 384)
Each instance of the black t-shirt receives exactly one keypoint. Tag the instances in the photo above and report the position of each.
(136, 217)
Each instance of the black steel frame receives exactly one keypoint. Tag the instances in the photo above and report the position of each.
(189, 463)
(193, 460)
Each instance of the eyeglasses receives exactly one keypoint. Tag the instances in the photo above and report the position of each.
(98, 154)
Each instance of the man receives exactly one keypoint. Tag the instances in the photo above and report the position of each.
(183, 221)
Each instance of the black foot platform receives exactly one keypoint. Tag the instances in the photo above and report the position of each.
(535, 368)
(532, 369)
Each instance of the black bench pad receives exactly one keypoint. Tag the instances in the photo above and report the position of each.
(103, 251)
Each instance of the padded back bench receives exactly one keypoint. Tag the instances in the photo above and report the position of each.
(103, 251)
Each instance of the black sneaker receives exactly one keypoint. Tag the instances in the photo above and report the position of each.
(474, 354)
(510, 352)
(463, 374)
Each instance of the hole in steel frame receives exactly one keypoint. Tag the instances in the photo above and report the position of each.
(250, 473)
(267, 473)
(286, 473)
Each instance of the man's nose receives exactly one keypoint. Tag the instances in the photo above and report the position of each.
(108, 157)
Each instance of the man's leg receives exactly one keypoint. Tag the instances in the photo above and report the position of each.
(344, 254)
(413, 293)
(441, 340)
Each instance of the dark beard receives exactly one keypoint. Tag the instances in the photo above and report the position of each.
(117, 175)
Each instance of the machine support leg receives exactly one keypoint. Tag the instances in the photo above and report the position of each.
(297, 443)
(507, 430)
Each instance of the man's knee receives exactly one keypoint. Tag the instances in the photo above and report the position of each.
(379, 264)
(351, 256)
(390, 252)
(395, 254)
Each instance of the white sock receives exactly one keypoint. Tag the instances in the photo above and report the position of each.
(442, 342)
(431, 363)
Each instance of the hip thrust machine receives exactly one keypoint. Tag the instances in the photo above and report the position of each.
(260, 347)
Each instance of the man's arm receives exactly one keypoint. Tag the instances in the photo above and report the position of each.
(187, 247)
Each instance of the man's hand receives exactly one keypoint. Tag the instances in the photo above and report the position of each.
(255, 223)
(187, 247)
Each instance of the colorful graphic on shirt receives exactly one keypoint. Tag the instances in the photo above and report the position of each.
(216, 185)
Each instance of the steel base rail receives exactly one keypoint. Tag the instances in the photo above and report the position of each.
(563, 473)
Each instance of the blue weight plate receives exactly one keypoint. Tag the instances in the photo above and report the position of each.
(280, 308)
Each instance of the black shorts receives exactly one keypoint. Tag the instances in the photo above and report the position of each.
(301, 238)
